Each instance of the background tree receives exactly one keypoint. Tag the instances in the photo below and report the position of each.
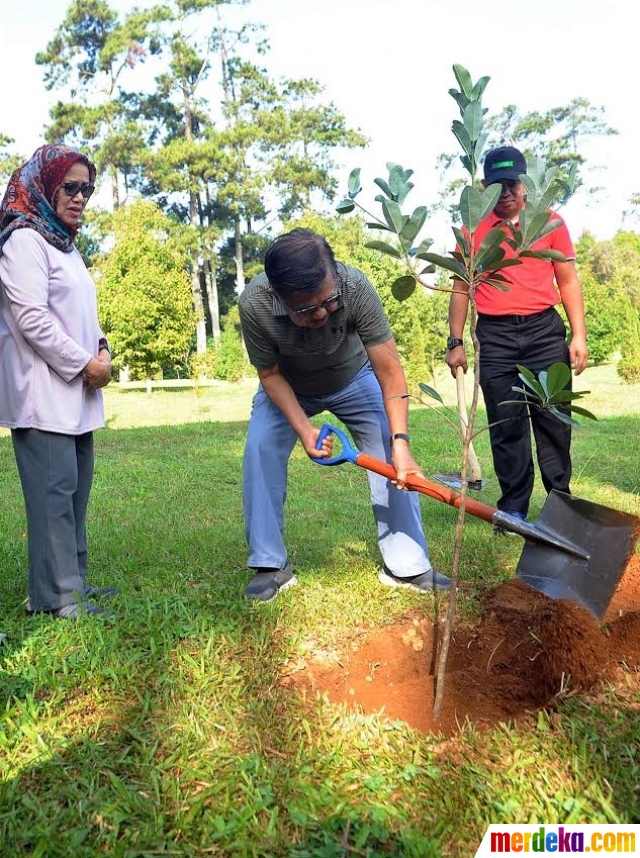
(610, 273)
(8, 161)
(216, 156)
(144, 293)
(557, 136)
(90, 57)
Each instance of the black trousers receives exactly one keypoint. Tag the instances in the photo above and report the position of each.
(534, 341)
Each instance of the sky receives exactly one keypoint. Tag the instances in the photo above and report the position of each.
(387, 65)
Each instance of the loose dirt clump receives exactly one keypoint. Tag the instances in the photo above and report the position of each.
(525, 651)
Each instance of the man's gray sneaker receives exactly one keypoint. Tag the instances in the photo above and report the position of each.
(426, 582)
(267, 583)
(71, 612)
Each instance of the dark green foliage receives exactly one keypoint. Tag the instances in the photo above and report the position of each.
(227, 359)
(610, 276)
(8, 161)
(629, 365)
(549, 391)
(144, 293)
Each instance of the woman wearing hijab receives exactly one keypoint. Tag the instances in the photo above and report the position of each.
(54, 359)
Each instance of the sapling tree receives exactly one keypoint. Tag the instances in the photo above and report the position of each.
(501, 248)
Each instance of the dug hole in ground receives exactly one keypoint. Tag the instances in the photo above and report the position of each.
(525, 651)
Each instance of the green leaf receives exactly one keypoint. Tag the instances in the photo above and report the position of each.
(460, 99)
(529, 379)
(534, 226)
(430, 392)
(475, 205)
(447, 263)
(353, 183)
(506, 263)
(583, 411)
(547, 253)
(479, 88)
(461, 239)
(429, 269)
(466, 163)
(396, 178)
(404, 191)
(463, 136)
(424, 245)
(497, 284)
(393, 215)
(464, 79)
(383, 187)
(477, 149)
(415, 223)
(379, 226)
(549, 227)
(568, 395)
(542, 379)
(564, 418)
(558, 376)
(473, 121)
(403, 287)
(383, 247)
(497, 276)
(494, 237)
(345, 206)
(488, 259)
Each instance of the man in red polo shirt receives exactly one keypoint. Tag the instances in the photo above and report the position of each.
(522, 326)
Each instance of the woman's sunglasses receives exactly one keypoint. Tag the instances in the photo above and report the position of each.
(72, 188)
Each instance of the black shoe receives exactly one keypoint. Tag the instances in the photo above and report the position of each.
(426, 582)
(93, 592)
(267, 583)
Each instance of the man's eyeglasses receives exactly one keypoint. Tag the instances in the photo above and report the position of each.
(332, 303)
(72, 188)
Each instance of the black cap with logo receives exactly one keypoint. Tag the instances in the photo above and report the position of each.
(505, 162)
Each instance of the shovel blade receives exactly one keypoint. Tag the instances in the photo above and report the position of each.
(606, 535)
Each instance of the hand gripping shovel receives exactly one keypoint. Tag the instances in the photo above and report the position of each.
(576, 550)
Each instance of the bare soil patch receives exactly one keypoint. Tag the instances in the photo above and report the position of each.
(525, 651)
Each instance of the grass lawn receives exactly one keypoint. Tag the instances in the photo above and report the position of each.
(167, 730)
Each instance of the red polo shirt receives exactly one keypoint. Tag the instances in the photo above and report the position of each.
(531, 284)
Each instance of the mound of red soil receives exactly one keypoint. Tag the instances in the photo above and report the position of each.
(526, 650)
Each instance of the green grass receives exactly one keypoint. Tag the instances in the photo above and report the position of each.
(166, 731)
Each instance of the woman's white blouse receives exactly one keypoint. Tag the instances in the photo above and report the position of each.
(49, 331)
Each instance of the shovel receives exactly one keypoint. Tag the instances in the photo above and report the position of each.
(474, 480)
(576, 550)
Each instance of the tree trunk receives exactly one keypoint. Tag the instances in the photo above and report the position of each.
(115, 190)
(212, 299)
(239, 257)
(201, 329)
(198, 304)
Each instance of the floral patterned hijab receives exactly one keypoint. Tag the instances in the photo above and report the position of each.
(28, 200)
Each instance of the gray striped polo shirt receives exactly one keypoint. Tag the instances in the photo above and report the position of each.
(315, 361)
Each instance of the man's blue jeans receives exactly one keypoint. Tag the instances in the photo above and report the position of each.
(270, 442)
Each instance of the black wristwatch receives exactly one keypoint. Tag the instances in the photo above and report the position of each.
(453, 342)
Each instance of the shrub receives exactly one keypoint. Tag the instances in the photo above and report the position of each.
(629, 364)
(227, 359)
